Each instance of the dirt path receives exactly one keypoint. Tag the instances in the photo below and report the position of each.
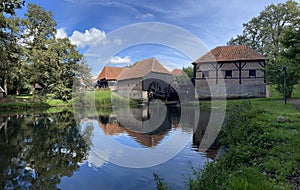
(295, 102)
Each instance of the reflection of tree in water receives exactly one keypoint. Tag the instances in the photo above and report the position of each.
(37, 150)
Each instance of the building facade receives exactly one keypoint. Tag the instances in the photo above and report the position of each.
(144, 77)
(230, 71)
(108, 77)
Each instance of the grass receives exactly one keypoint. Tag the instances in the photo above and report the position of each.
(276, 94)
(25, 102)
(296, 92)
(262, 153)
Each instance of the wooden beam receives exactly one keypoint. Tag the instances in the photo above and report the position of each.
(194, 77)
(217, 69)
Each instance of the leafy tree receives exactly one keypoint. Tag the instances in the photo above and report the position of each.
(188, 71)
(269, 33)
(53, 63)
(39, 30)
(263, 33)
(9, 30)
(9, 6)
(10, 54)
(65, 68)
(290, 58)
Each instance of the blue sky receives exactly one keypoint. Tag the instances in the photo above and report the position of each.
(90, 24)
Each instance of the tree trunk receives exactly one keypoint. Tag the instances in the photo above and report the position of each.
(33, 89)
(18, 91)
(5, 84)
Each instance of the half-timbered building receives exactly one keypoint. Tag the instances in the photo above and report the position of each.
(231, 71)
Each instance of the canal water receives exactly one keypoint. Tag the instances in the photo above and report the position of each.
(108, 150)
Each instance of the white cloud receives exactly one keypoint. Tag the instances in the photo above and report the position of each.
(118, 41)
(89, 37)
(61, 33)
(120, 60)
(147, 16)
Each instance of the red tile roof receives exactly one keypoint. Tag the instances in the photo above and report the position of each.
(110, 73)
(142, 68)
(177, 72)
(230, 53)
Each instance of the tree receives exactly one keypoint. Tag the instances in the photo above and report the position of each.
(9, 6)
(37, 35)
(53, 63)
(290, 58)
(67, 65)
(268, 34)
(10, 50)
(263, 33)
(188, 71)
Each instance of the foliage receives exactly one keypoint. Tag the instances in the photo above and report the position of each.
(274, 34)
(10, 50)
(263, 33)
(40, 149)
(32, 55)
(188, 71)
(9, 6)
(160, 183)
(289, 58)
(262, 154)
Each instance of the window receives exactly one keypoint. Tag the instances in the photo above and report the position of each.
(205, 74)
(252, 73)
(228, 74)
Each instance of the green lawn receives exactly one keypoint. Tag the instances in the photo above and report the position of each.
(275, 94)
(262, 153)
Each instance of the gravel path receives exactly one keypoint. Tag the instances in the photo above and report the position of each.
(295, 102)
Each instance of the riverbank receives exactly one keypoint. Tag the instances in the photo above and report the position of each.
(263, 152)
(25, 102)
(12, 103)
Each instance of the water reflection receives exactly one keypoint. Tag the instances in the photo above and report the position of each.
(140, 142)
(46, 151)
(118, 124)
(37, 150)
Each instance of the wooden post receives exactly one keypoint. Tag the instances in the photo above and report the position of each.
(217, 69)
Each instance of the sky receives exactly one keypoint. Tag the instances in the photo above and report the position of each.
(121, 32)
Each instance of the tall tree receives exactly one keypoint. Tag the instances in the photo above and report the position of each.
(289, 58)
(267, 33)
(263, 33)
(53, 63)
(9, 35)
(10, 54)
(67, 65)
(39, 31)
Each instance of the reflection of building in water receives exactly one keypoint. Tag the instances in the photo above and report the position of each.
(188, 118)
(134, 126)
(202, 135)
(148, 140)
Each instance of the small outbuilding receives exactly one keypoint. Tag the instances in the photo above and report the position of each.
(240, 69)
(145, 79)
(108, 77)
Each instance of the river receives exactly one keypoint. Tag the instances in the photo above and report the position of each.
(109, 150)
